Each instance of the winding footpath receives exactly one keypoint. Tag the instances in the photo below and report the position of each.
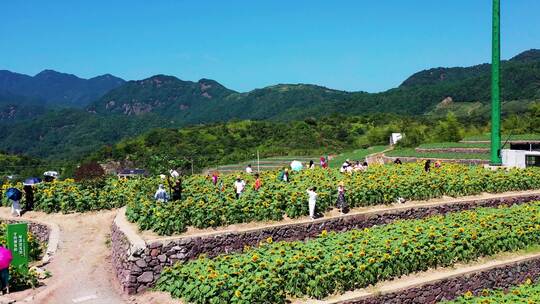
(81, 266)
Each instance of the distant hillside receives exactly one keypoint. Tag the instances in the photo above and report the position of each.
(71, 133)
(13, 107)
(447, 75)
(206, 101)
(57, 89)
(167, 96)
(166, 101)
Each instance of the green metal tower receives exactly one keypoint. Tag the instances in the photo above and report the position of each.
(496, 86)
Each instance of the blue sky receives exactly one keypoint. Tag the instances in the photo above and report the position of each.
(348, 45)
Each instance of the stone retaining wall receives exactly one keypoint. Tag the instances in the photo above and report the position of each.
(138, 264)
(452, 150)
(389, 159)
(40, 231)
(450, 288)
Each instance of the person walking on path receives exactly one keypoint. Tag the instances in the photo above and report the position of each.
(249, 170)
(312, 201)
(427, 165)
(29, 197)
(341, 201)
(258, 182)
(15, 195)
(239, 186)
(176, 189)
(161, 195)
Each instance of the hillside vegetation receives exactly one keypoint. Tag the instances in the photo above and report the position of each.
(129, 112)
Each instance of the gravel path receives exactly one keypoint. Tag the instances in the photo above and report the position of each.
(81, 267)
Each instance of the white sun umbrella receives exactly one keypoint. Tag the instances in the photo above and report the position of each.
(296, 165)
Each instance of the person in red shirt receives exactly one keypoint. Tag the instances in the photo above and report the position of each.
(258, 182)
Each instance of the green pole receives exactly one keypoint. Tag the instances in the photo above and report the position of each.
(496, 86)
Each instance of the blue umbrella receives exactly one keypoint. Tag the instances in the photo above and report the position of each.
(32, 181)
(13, 194)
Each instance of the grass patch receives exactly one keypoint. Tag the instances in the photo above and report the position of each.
(447, 145)
(359, 154)
(504, 137)
(412, 153)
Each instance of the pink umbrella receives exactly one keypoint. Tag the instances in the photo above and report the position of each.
(5, 257)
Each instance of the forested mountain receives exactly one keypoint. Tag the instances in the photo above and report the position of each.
(207, 101)
(165, 101)
(56, 89)
(13, 107)
(167, 96)
(71, 133)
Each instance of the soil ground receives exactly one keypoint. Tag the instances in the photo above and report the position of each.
(81, 267)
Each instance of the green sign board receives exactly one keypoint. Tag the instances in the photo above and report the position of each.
(17, 236)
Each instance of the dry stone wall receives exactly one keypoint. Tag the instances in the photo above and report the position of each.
(452, 150)
(389, 159)
(501, 277)
(138, 264)
(40, 231)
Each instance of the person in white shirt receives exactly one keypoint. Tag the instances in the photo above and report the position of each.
(161, 195)
(239, 186)
(312, 200)
(249, 170)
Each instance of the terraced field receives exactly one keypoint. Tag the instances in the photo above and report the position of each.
(265, 164)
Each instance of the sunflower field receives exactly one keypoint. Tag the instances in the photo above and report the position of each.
(205, 205)
(527, 293)
(70, 196)
(333, 263)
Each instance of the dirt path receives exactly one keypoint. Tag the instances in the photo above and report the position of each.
(81, 267)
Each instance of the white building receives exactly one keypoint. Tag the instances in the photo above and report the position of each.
(395, 137)
(520, 158)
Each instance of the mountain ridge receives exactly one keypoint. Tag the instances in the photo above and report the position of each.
(56, 88)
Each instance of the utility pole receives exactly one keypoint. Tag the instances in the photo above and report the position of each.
(496, 86)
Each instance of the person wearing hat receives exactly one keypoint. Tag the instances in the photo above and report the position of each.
(341, 201)
(176, 189)
(345, 167)
(239, 186)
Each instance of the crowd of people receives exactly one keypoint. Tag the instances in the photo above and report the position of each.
(284, 175)
(349, 167)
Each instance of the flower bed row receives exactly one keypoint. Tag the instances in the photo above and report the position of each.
(526, 293)
(338, 262)
(205, 205)
(70, 196)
